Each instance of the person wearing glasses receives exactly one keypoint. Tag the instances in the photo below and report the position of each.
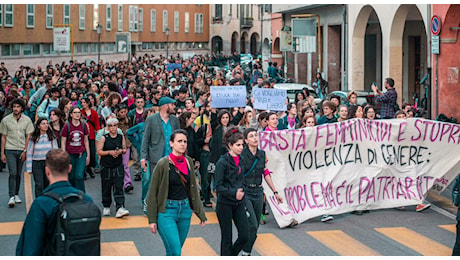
(74, 140)
(111, 147)
(136, 117)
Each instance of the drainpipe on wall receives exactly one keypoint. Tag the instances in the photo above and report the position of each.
(345, 49)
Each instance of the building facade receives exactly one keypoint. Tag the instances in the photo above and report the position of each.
(236, 28)
(445, 80)
(27, 31)
(389, 40)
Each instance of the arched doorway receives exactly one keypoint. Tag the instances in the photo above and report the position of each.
(367, 50)
(235, 46)
(216, 44)
(407, 52)
(243, 42)
(255, 48)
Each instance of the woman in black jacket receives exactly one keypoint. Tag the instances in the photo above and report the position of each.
(252, 163)
(230, 196)
(193, 150)
(219, 124)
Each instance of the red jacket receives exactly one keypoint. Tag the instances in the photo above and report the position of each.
(93, 123)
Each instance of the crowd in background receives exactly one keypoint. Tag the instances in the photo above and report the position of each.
(98, 113)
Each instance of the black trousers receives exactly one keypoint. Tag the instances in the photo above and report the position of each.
(112, 179)
(38, 172)
(92, 155)
(225, 214)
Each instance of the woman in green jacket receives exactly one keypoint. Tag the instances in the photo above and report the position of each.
(172, 196)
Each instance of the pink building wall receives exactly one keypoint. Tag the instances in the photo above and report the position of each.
(448, 62)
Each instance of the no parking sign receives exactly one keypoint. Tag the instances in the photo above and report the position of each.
(435, 25)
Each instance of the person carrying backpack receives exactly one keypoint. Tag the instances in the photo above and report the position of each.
(42, 224)
(74, 140)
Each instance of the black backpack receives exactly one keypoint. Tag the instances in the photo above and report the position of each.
(76, 230)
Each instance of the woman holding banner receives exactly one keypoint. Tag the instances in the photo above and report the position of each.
(253, 167)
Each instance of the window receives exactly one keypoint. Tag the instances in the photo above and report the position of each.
(48, 49)
(82, 17)
(176, 21)
(153, 20)
(230, 10)
(218, 10)
(66, 19)
(120, 18)
(49, 16)
(30, 16)
(1, 14)
(108, 17)
(198, 23)
(147, 46)
(93, 47)
(141, 19)
(95, 16)
(187, 23)
(10, 49)
(31, 49)
(165, 20)
(9, 18)
(133, 22)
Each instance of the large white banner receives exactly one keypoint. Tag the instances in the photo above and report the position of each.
(358, 164)
(61, 39)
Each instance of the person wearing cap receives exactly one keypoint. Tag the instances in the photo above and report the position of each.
(173, 85)
(49, 104)
(158, 128)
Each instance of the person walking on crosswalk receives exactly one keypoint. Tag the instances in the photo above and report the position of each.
(231, 204)
(253, 168)
(173, 196)
(111, 148)
(16, 130)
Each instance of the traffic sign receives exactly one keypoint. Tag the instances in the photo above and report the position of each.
(435, 44)
(435, 25)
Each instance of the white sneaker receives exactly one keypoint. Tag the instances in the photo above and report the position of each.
(11, 202)
(106, 212)
(17, 199)
(121, 212)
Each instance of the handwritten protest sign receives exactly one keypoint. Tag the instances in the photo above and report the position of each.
(269, 99)
(228, 96)
(358, 164)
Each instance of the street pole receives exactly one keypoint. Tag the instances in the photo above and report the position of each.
(98, 31)
(167, 42)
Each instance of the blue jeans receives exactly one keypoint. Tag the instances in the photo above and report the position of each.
(14, 163)
(174, 224)
(78, 162)
(146, 176)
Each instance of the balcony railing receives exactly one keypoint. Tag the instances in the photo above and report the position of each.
(246, 22)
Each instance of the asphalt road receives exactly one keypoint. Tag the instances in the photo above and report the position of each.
(387, 232)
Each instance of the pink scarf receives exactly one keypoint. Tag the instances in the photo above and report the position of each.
(180, 162)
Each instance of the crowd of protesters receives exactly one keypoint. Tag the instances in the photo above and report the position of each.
(121, 120)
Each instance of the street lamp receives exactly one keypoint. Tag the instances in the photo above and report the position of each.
(167, 41)
(99, 31)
